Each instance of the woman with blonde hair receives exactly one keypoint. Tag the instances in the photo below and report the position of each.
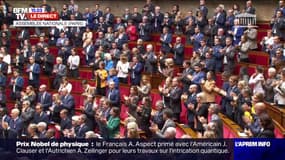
(123, 69)
(145, 87)
(29, 95)
(87, 36)
(168, 71)
(208, 87)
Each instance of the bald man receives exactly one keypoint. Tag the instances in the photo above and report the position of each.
(44, 97)
(254, 125)
(15, 126)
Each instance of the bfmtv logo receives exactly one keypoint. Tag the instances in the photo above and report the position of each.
(21, 13)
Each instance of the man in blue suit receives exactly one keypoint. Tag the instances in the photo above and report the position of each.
(89, 17)
(65, 122)
(82, 128)
(220, 17)
(67, 101)
(236, 32)
(3, 80)
(136, 68)
(198, 75)
(165, 39)
(190, 104)
(196, 38)
(89, 51)
(3, 65)
(87, 109)
(113, 95)
(44, 98)
(40, 115)
(97, 13)
(15, 126)
(178, 51)
(33, 70)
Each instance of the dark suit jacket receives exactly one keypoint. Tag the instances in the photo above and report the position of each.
(167, 123)
(68, 103)
(4, 68)
(65, 124)
(36, 72)
(20, 64)
(175, 101)
(136, 74)
(37, 55)
(81, 131)
(221, 20)
(166, 41)
(89, 112)
(23, 36)
(89, 54)
(114, 97)
(109, 20)
(16, 128)
(46, 101)
(191, 113)
(266, 134)
(156, 22)
(3, 133)
(27, 116)
(53, 37)
(145, 31)
(122, 40)
(178, 51)
(48, 64)
(43, 117)
(150, 63)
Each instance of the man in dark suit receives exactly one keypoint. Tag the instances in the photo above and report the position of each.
(67, 101)
(145, 29)
(53, 35)
(210, 62)
(175, 99)
(187, 70)
(109, 17)
(3, 80)
(97, 13)
(3, 65)
(88, 51)
(65, 122)
(27, 114)
(136, 68)
(210, 30)
(4, 118)
(14, 127)
(229, 53)
(47, 61)
(136, 17)
(126, 16)
(150, 60)
(165, 39)
(17, 84)
(44, 98)
(218, 55)
(249, 8)
(168, 122)
(202, 7)
(42, 129)
(158, 117)
(82, 128)
(23, 35)
(40, 115)
(33, 70)
(87, 109)
(203, 49)
(59, 70)
(157, 20)
(190, 104)
(278, 25)
(231, 96)
(113, 95)
(220, 17)
(196, 39)
(36, 54)
(178, 51)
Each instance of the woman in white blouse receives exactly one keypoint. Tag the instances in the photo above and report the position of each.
(256, 80)
(6, 58)
(123, 69)
(73, 64)
(65, 84)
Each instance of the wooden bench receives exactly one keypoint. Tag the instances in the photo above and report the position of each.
(230, 128)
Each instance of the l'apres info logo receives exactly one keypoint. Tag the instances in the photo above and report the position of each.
(252, 143)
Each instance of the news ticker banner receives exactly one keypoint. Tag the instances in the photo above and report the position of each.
(202, 149)
(38, 17)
